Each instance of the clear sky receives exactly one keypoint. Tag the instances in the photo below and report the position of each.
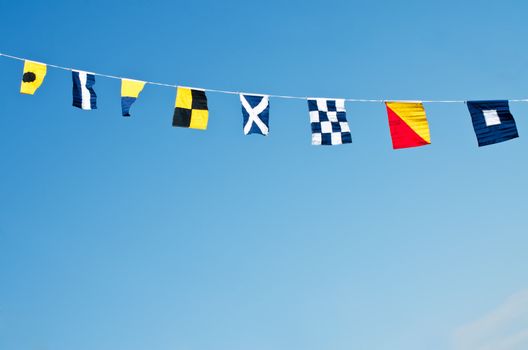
(121, 233)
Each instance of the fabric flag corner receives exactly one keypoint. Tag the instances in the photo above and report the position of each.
(408, 124)
(190, 110)
(84, 96)
(328, 122)
(33, 77)
(255, 113)
(492, 121)
(130, 90)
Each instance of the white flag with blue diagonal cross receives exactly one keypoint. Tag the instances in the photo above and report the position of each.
(255, 110)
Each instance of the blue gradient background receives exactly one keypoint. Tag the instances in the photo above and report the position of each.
(129, 234)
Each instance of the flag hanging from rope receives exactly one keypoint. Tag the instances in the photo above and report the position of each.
(130, 90)
(190, 110)
(34, 73)
(255, 111)
(84, 96)
(492, 121)
(328, 121)
(408, 124)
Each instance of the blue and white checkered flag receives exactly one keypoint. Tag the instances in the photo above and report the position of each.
(328, 121)
(255, 110)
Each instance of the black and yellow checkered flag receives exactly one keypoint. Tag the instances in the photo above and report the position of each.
(190, 110)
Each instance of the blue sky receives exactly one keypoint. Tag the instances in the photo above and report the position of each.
(126, 233)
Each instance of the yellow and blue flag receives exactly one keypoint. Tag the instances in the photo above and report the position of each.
(130, 90)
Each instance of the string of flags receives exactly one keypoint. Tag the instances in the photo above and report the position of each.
(408, 125)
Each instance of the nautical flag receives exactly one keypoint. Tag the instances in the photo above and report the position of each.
(190, 110)
(33, 77)
(255, 110)
(408, 124)
(84, 96)
(492, 121)
(328, 121)
(130, 90)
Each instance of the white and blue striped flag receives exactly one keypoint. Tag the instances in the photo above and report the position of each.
(84, 96)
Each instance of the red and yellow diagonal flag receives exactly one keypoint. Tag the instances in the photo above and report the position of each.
(408, 124)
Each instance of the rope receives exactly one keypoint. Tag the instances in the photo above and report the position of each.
(227, 92)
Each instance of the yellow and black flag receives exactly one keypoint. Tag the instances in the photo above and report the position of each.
(34, 73)
(190, 110)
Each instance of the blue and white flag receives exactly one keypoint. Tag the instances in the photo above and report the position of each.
(255, 110)
(492, 121)
(84, 96)
(328, 121)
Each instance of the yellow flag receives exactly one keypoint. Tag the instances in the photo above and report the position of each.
(131, 88)
(33, 77)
